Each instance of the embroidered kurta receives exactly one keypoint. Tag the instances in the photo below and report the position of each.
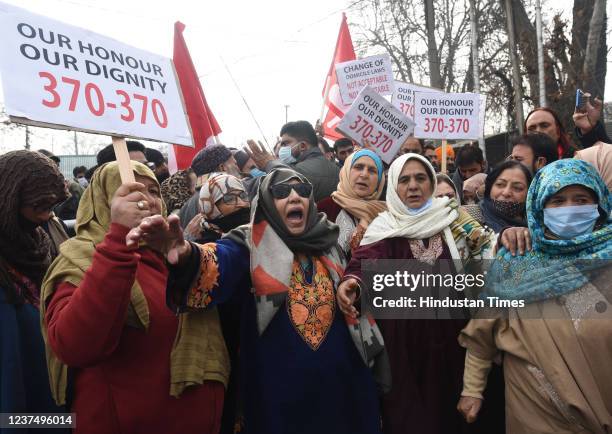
(303, 374)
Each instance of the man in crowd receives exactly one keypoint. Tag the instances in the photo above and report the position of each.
(135, 149)
(299, 149)
(79, 175)
(469, 161)
(326, 149)
(413, 145)
(534, 151)
(343, 148)
(157, 163)
(429, 151)
(545, 120)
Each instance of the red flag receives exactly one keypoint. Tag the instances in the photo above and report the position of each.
(331, 92)
(204, 126)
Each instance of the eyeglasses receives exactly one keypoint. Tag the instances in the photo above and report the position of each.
(232, 198)
(281, 191)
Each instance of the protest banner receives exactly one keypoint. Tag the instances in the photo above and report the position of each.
(447, 115)
(403, 96)
(374, 71)
(373, 119)
(60, 76)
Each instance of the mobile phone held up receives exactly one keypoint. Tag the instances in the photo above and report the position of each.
(581, 100)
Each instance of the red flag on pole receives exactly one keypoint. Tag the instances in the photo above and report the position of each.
(204, 126)
(331, 92)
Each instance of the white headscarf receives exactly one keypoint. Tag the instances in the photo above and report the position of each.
(396, 222)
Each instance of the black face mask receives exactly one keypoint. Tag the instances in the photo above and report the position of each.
(232, 221)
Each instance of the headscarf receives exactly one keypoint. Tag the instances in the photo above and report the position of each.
(555, 267)
(600, 156)
(397, 222)
(176, 190)
(26, 179)
(367, 208)
(273, 248)
(213, 189)
(92, 223)
(272, 252)
(474, 183)
(445, 178)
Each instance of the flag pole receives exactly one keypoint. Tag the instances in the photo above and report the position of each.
(246, 104)
(325, 95)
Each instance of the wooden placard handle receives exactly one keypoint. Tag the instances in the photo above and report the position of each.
(443, 162)
(123, 158)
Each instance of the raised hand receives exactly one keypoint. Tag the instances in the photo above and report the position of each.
(165, 236)
(587, 119)
(346, 296)
(258, 154)
(129, 205)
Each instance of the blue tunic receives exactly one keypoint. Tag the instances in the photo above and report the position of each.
(286, 386)
(24, 382)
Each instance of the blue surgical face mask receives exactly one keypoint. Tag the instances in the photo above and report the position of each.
(256, 173)
(284, 154)
(425, 206)
(571, 221)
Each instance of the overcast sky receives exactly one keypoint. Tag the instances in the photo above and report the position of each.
(278, 51)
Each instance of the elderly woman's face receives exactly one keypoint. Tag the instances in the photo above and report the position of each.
(364, 177)
(572, 195)
(414, 187)
(293, 209)
(152, 194)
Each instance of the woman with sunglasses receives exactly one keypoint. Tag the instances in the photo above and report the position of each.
(426, 360)
(303, 369)
(224, 205)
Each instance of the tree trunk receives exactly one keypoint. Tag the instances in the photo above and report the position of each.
(592, 50)
(435, 79)
(516, 72)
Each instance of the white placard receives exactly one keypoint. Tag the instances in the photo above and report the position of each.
(447, 115)
(373, 118)
(374, 71)
(59, 75)
(403, 96)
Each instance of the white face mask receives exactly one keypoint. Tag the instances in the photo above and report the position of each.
(571, 221)
(83, 182)
(284, 154)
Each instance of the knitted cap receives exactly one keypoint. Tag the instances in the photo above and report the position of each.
(209, 158)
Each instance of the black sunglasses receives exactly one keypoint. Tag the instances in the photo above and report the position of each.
(281, 191)
(230, 198)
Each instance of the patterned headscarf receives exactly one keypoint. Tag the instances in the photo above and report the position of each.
(213, 189)
(555, 266)
(176, 190)
(26, 179)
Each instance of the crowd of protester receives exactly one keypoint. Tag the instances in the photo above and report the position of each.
(226, 297)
